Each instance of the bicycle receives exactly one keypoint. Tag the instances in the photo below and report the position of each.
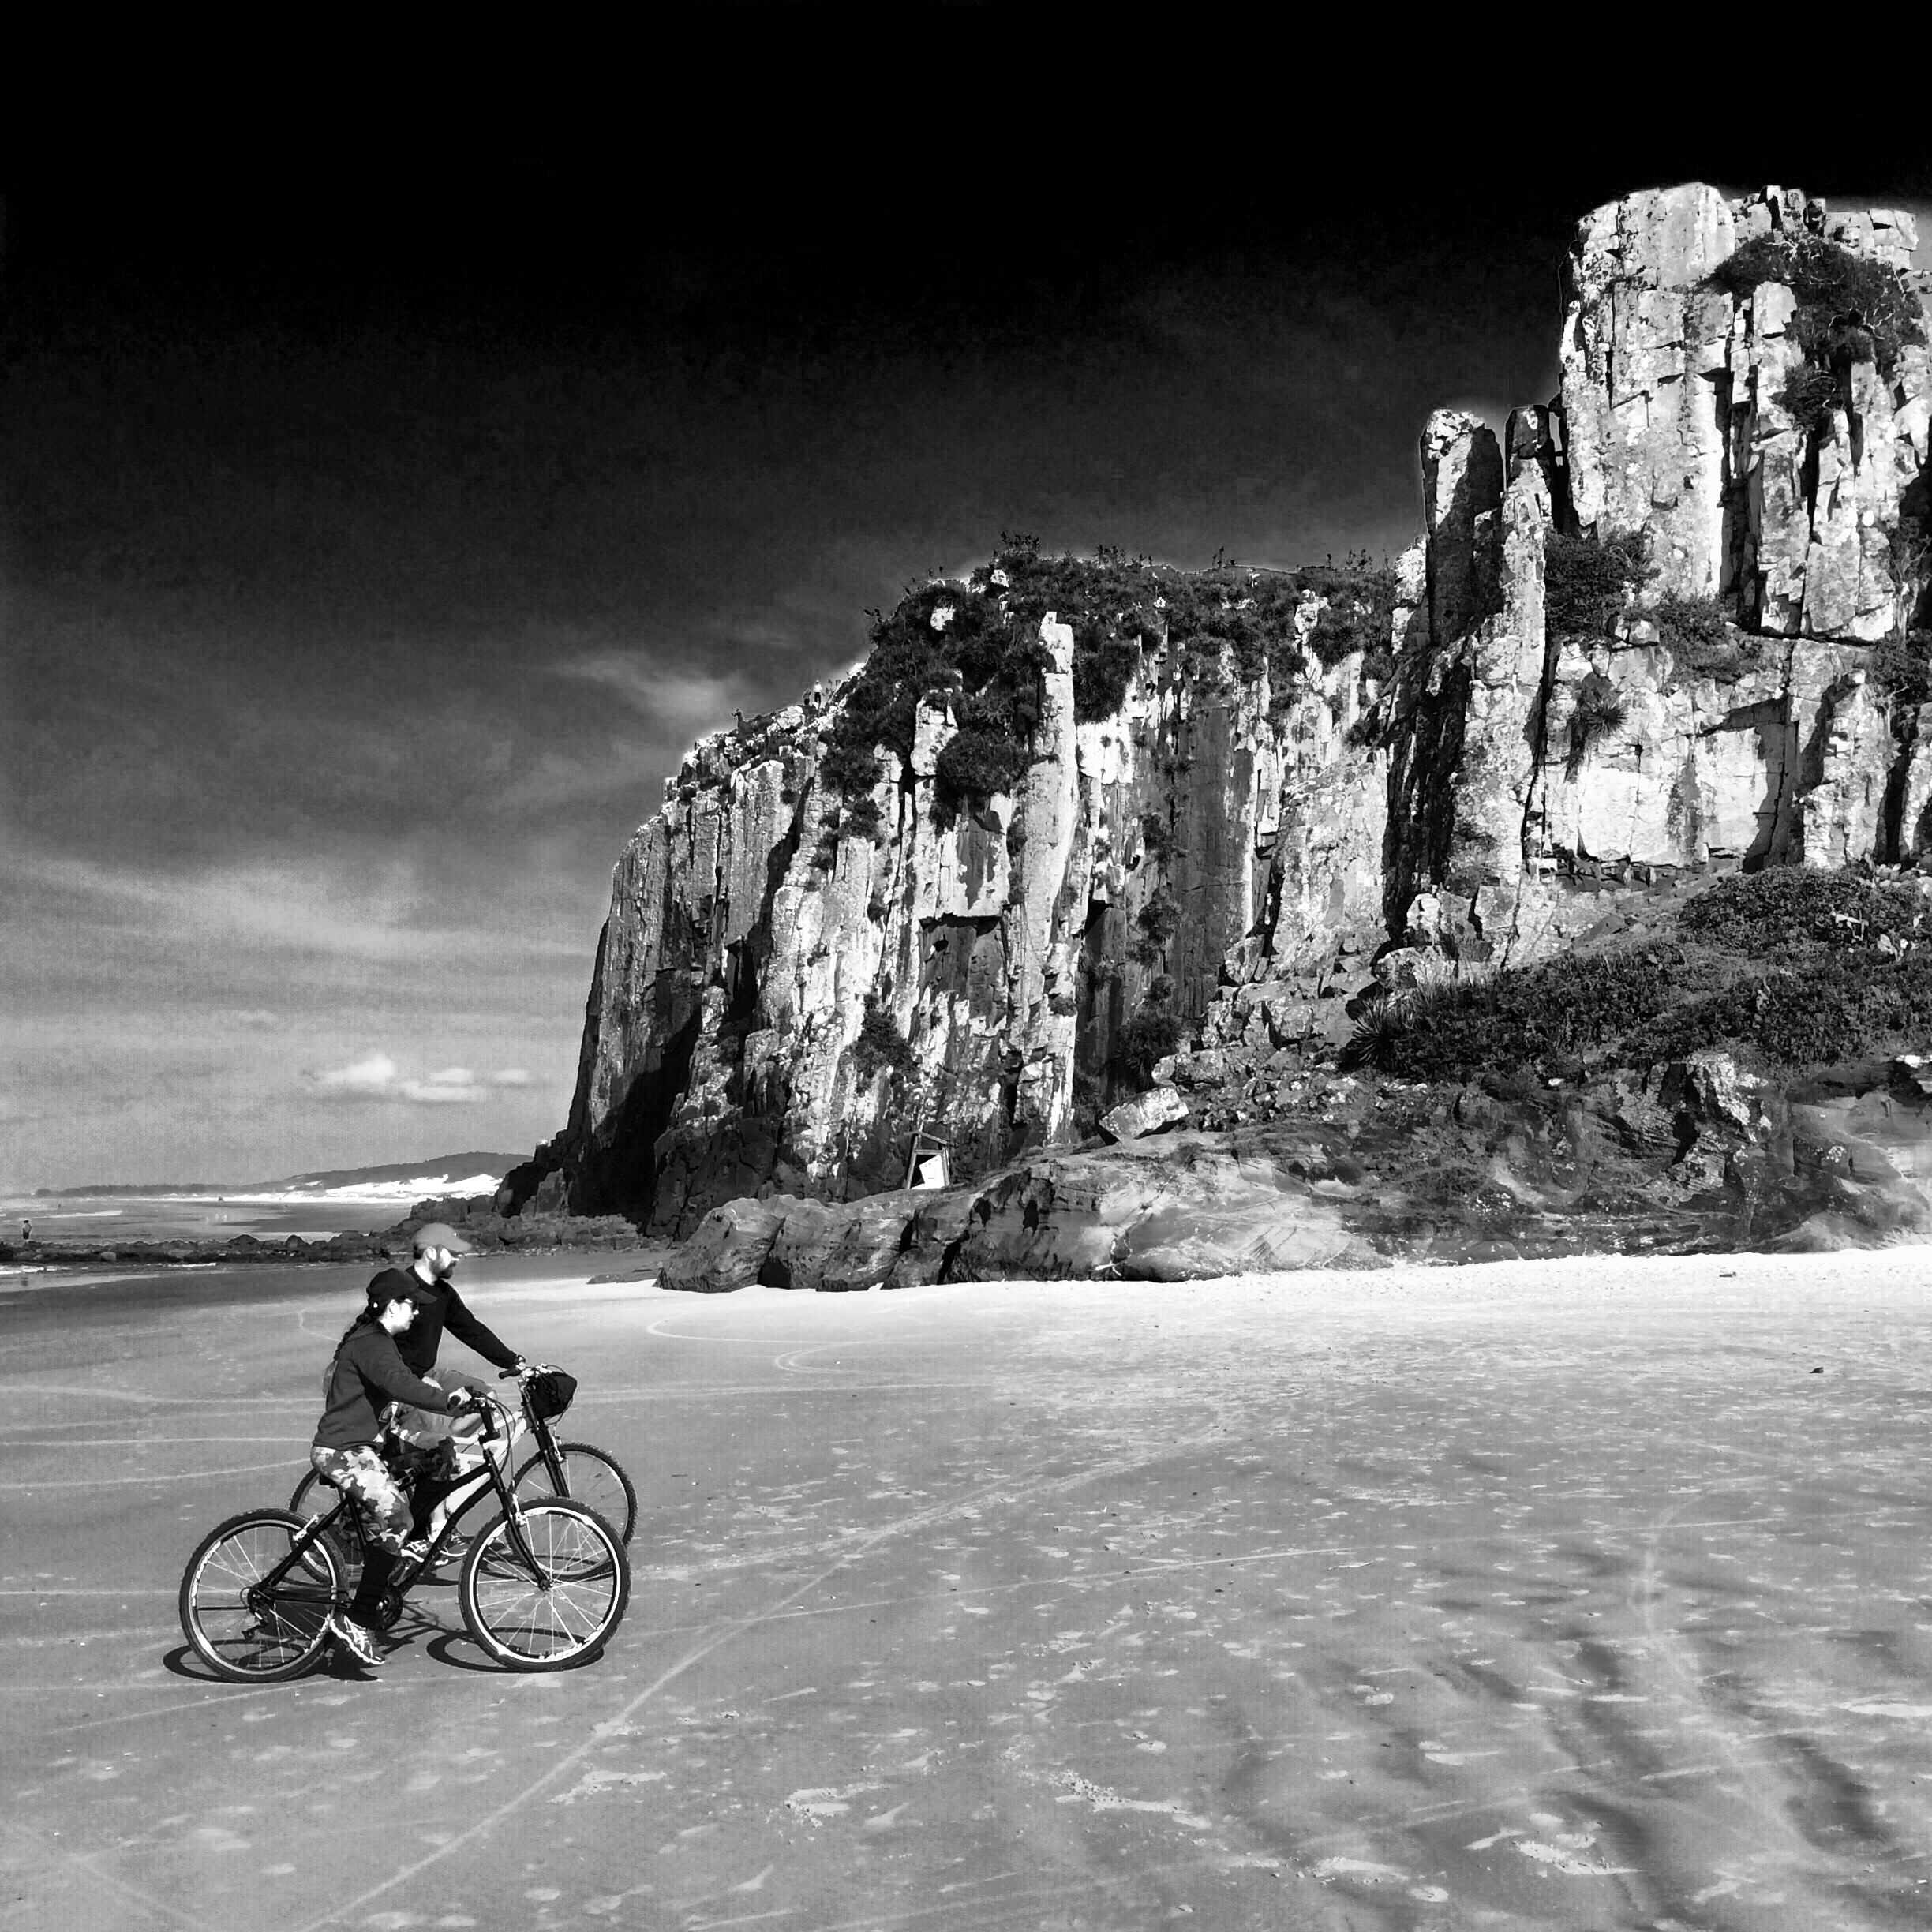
(578, 1471)
(543, 1586)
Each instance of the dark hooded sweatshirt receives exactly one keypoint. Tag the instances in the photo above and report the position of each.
(439, 1307)
(367, 1374)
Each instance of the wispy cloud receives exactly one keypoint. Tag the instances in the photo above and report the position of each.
(680, 704)
(379, 913)
(557, 778)
(513, 1076)
(671, 709)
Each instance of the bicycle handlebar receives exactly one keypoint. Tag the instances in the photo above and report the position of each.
(487, 1409)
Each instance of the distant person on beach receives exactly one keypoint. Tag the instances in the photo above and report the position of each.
(366, 1374)
(444, 1457)
(26, 1228)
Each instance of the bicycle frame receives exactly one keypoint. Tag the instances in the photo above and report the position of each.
(546, 1443)
(542, 1434)
(497, 1425)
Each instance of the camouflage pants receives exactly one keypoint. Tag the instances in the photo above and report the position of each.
(361, 1472)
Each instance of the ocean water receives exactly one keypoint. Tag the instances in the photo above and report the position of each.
(484, 1280)
(108, 1218)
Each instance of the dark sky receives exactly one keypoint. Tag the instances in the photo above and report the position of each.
(380, 528)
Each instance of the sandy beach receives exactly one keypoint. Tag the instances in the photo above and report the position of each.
(1583, 1594)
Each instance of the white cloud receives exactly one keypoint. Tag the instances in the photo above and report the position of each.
(377, 1077)
(440, 1092)
(512, 1076)
(370, 1078)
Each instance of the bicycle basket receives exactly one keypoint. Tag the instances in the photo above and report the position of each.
(551, 1393)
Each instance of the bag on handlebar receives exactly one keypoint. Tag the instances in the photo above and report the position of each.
(550, 1393)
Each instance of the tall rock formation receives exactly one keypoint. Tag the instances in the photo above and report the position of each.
(1664, 627)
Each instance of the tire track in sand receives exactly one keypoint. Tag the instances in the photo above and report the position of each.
(1026, 1488)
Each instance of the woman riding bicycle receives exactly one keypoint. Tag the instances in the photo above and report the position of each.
(367, 1373)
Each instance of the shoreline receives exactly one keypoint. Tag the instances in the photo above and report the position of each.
(552, 1236)
(57, 1297)
(36, 1284)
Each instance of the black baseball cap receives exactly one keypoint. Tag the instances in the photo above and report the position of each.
(401, 1285)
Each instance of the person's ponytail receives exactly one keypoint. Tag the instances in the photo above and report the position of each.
(365, 1319)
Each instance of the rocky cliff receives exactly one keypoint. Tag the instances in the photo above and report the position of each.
(1072, 815)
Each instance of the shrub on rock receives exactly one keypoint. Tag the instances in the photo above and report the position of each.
(977, 763)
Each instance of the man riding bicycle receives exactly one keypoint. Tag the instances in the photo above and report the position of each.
(435, 1247)
(446, 1456)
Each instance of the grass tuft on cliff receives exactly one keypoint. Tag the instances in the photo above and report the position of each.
(1599, 715)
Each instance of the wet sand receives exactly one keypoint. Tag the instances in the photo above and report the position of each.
(1550, 1595)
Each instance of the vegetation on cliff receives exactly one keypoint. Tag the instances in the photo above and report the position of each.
(1600, 714)
(1903, 667)
(1850, 309)
(1588, 583)
(1591, 591)
(880, 1043)
(979, 642)
(1803, 967)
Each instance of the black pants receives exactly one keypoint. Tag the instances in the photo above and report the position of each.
(377, 1565)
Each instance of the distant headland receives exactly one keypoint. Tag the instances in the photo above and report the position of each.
(437, 1170)
(464, 1189)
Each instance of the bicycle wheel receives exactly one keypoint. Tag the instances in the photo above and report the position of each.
(314, 1497)
(243, 1628)
(533, 1623)
(591, 1477)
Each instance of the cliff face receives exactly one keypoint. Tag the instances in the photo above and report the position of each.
(794, 982)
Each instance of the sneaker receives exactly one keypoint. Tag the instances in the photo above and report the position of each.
(413, 1553)
(356, 1638)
